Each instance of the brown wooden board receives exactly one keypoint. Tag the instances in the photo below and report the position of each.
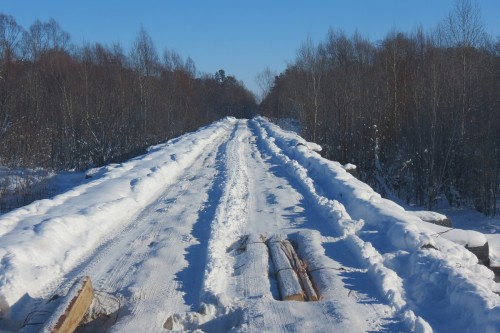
(72, 308)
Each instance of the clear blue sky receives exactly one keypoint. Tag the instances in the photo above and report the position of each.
(242, 37)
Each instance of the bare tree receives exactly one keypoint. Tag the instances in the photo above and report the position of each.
(464, 29)
(95, 105)
(464, 25)
(417, 113)
(265, 80)
(144, 56)
(145, 61)
(10, 36)
(310, 61)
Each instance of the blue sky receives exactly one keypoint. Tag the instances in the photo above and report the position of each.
(242, 37)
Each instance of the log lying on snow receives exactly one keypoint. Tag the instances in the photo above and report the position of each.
(288, 280)
(482, 253)
(496, 270)
(73, 307)
(256, 261)
(321, 268)
(433, 217)
(300, 269)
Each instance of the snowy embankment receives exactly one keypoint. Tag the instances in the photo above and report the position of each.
(176, 240)
(423, 274)
(42, 241)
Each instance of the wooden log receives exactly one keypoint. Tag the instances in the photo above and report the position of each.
(288, 280)
(255, 239)
(312, 252)
(72, 309)
(496, 270)
(482, 253)
(253, 267)
(300, 268)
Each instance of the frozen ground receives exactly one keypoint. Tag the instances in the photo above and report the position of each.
(162, 238)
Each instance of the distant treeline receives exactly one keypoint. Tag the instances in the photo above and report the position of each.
(71, 107)
(418, 113)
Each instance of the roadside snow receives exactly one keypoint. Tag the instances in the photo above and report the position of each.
(494, 242)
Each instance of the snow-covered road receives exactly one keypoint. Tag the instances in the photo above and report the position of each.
(164, 238)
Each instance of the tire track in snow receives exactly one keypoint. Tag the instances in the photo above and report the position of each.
(275, 201)
(418, 273)
(179, 252)
(230, 217)
(226, 291)
(36, 258)
(192, 276)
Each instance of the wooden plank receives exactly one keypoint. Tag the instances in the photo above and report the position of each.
(72, 309)
(288, 280)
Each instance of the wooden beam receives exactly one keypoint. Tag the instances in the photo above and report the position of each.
(72, 309)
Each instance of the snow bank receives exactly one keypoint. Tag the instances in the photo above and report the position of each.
(409, 259)
(44, 240)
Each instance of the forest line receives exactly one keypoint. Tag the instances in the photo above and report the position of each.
(66, 107)
(418, 113)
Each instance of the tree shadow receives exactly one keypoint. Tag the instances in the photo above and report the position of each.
(24, 314)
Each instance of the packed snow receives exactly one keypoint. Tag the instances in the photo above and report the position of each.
(174, 240)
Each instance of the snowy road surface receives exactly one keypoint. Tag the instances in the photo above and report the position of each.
(162, 237)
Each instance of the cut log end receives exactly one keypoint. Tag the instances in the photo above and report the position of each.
(73, 308)
(295, 297)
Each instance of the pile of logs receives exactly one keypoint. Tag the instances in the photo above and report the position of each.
(291, 272)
